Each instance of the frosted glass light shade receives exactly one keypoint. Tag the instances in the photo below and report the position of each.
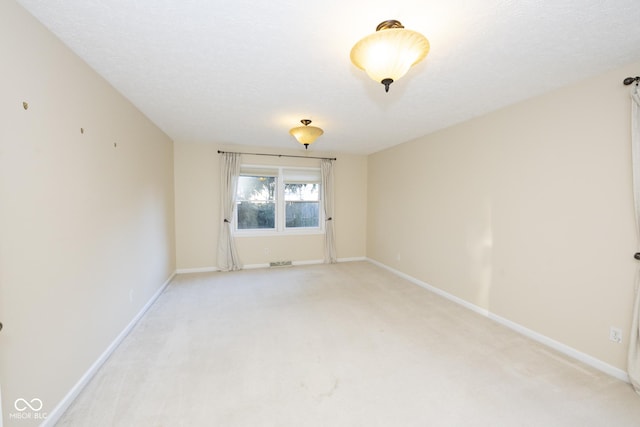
(388, 53)
(306, 134)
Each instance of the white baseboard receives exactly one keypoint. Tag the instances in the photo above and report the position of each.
(433, 289)
(255, 266)
(543, 339)
(265, 265)
(57, 412)
(307, 262)
(563, 348)
(293, 263)
(353, 259)
(196, 270)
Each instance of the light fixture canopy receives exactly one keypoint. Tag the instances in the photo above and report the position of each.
(306, 134)
(387, 54)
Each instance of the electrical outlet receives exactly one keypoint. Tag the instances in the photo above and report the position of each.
(615, 335)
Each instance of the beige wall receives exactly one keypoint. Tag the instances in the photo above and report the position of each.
(84, 225)
(526, 212)
(197, 177)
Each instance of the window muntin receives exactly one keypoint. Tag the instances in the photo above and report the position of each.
(278, 200)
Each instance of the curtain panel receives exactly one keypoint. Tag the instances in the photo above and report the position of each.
(326, 167)
(228, 259)
(633, 362)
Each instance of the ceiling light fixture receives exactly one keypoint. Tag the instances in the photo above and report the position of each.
(306, 134)
(630, 80)
(387, 54)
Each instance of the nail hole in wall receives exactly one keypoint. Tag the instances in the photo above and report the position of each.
(25, 105)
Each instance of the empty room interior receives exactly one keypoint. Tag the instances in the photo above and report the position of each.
(216, 214)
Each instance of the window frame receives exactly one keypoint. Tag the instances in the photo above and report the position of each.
(280, 203)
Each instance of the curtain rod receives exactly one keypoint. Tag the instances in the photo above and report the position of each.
(279, 155)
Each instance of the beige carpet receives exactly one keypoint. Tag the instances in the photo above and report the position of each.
(336, 345)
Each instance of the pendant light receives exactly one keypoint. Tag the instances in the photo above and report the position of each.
(387, 54)
(306, 134)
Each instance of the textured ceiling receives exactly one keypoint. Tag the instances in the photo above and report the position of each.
(245, 72)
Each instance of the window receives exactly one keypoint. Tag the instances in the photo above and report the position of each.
(256, 202)
(278, 200)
